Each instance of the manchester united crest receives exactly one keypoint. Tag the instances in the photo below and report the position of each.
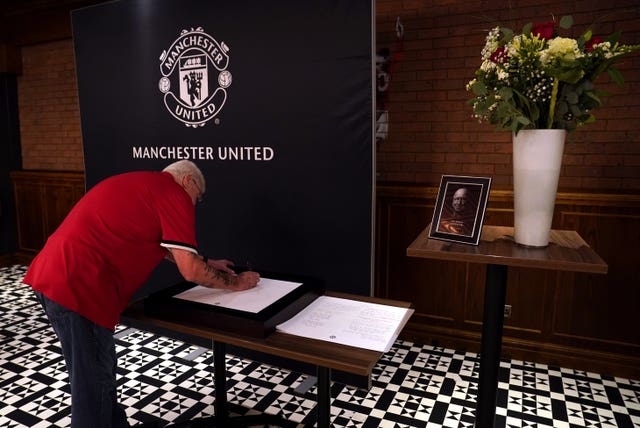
(195, 77)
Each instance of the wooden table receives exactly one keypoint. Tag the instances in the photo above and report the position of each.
(326, 356)
(567, 251)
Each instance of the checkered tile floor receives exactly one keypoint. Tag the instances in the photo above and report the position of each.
(169, 381)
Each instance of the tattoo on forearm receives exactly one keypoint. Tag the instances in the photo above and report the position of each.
(219, 276)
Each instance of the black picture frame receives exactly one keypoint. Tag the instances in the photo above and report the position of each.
(460, 221)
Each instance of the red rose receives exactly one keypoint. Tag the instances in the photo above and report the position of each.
(499, 56)
(588, 47)
(544, 31)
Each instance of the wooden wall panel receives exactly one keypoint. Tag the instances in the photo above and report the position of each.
(43, 200)
(574, 320)
(594, 304)
(528, 293)
(473, 295)
(58, 200)
(29, 210)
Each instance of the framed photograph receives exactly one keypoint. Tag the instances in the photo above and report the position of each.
(460, 208)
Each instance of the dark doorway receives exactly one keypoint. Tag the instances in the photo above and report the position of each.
(10, 160)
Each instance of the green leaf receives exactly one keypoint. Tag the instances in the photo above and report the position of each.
(479, 88)
(535, 112)
(566, 22)
(586, 85)
(614, 38)
(575, 110)
(507, 33)
(567, 75)
(616, 76)
(561, 108)
(594, 97)
(527, 29)
(587, 35)
(506, 93)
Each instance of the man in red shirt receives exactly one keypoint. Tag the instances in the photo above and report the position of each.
(104, 250)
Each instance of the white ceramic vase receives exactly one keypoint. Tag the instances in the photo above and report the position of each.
(537, 159)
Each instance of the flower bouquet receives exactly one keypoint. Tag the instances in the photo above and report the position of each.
(540, 80)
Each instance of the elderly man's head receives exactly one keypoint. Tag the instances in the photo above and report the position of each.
(189, 176)
(460, 200)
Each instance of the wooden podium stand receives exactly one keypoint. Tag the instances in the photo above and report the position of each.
(567, 251)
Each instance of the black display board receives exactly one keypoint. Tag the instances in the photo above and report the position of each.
(272, 100)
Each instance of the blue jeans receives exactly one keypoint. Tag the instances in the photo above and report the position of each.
(90, 355)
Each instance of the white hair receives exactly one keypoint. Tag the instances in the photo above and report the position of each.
(182, 168)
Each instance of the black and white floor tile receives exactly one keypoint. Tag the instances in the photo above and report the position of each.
(168, 381)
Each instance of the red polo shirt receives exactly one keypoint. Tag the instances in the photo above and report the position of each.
(111, 241)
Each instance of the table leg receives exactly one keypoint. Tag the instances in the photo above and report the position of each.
(324, 397)
(220, 382)
(492, 325)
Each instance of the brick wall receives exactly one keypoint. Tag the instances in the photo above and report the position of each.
(48, 103)
(431, 131)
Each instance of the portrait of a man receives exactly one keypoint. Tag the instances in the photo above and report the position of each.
(459, 211)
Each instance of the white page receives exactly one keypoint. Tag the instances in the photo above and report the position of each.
(254, 300)
(349, 322)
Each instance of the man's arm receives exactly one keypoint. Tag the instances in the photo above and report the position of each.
(194, 269)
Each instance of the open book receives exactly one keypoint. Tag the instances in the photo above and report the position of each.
(349, 322)
(253, 300)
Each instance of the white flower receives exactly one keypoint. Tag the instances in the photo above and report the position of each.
(560, 48)
(470, 84)
(514, 46)
(487, 65)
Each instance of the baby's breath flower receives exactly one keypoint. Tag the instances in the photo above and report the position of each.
(491, 43)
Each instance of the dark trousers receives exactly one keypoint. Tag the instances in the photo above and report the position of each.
(90, 355)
